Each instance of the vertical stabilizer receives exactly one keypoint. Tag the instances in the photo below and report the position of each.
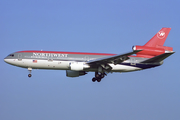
(154, 47)
(159, 38)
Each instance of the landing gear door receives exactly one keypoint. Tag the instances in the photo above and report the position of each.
(20, 57)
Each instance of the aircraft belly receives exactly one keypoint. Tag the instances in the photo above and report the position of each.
(123, 68)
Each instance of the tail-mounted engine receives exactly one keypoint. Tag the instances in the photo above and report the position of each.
(151, 51)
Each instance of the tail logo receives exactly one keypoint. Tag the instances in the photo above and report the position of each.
(161, 34)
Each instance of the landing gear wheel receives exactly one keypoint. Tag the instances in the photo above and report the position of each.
(29, 69)
(102, 75)
(94, 79)
(97, 75)
(29, 75)
(99, 80)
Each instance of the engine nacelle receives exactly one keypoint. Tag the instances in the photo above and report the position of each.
(149, 51)
(70, 73)
(78, 66)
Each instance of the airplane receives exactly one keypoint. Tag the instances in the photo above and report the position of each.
(78, 64)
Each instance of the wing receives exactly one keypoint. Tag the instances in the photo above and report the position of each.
(102, 63)
(158, 58)
(113, 59)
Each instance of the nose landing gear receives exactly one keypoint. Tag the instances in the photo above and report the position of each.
(29, 75)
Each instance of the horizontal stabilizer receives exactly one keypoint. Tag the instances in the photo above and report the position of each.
(158, 58)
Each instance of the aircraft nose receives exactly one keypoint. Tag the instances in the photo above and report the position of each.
(6, 59)
(9, 59)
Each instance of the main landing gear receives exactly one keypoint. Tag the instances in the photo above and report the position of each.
(29, 75)
(98, 77)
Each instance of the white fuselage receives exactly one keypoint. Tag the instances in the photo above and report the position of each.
(63, 65)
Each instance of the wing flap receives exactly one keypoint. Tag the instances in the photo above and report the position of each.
(113, 59)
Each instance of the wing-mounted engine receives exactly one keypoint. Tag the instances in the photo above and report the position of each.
(78, 66)
(150, 52)
(70, 73)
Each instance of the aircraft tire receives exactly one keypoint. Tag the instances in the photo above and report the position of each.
(97, 75)
(102, 75)
(29, 75)
(99, 80)
(94, 79)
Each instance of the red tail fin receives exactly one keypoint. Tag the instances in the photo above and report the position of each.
(159, 38)
(154, 46)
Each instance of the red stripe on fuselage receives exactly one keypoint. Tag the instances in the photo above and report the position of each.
(58, 52)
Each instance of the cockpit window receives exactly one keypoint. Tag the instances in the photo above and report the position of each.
(12, 55)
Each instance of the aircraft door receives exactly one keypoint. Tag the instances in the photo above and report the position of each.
(19, 56)
(86, 58)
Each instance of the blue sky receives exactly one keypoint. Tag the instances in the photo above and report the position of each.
(88, 26)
